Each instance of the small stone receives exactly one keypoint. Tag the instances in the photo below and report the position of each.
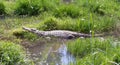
(40, 53)
(48, 38)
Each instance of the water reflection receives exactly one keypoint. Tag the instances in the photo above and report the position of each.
(60, 56)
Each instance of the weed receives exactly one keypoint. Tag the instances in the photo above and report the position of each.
(67, 10)
(100, 24)
(95, 51)
(85, 45)
(47, 5)
(27, 7)
(97, 8)
(24, 35)
(2, 9)
(11, 53)
(49, 24)
(104, 24)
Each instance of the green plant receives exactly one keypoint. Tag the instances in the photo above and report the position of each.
(2, 9)
(25, 35)
(19, 34)
(27, 7)
(104, 24)
(95, 51)
(50, 24)
(98, 58)
(47, 5)
(97, 8)
(67, 10)
(76, 25)
(11, 53)
(100, 24)
(81, 47)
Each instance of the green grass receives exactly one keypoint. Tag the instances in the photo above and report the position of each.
(101, 24)
(27, 7)
(11, 53)
(24, 35)
(50, 24)
(95, 51)
(2, 9)
(67, 10)
(99, 16)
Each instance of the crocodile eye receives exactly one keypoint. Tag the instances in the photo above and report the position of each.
(70, 37)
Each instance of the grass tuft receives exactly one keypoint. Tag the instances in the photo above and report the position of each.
(2, 9)
(24, 35)
(11, 53)
(95, 51)
(27, 7)
(67, 10)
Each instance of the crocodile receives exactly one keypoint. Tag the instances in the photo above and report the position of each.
(58, 33)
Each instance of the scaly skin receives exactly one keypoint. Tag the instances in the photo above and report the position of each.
(57, 33)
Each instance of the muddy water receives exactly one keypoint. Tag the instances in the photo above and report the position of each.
(50, 53)
(60, 56)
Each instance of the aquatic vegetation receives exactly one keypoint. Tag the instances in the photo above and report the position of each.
(95, 51)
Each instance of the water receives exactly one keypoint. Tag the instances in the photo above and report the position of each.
(59, 57)
(65, 57)
(49, 52)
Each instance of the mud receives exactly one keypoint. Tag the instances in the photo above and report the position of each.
(48, 51)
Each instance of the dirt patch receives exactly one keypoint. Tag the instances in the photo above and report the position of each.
(33, 47)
